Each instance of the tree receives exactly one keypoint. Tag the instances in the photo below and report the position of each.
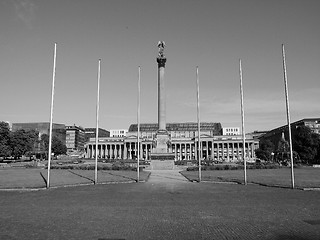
(5, 149)
(306, 144)
(265, 150)
(57, 147)
(22, 141)
(283, 150)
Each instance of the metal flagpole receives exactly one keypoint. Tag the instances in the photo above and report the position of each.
(243, 130)
(138, 122)
(288, 110)
(97, 126)
(51, 112)
(198, 119)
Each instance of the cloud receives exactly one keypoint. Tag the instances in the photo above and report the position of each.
(25, 11)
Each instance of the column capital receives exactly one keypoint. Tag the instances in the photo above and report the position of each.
(161, 62)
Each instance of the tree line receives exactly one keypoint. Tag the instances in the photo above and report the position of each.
(27, 143)
(305, 145)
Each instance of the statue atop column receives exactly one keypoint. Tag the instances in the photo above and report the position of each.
(161, 46)
(161, 59)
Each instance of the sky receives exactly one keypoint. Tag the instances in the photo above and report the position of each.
(210, 34)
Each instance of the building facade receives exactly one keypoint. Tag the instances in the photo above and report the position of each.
(91, 133)
(118, 132)
(231, 131)
(183, 143)
(75, 138)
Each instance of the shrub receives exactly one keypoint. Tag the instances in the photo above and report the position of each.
(235, 167)
(180, 162)
(192, 169)
(105, 167)
(227, 167)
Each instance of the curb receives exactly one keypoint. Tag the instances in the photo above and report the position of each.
(65, 186)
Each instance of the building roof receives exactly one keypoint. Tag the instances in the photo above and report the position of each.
(189, 126)
(285, 127)
(39, 126)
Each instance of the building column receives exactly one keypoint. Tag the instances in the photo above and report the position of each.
(120, 151)
(228, 153)
(88, 151)
(238, 148)
(212, 150)
(135, 149)
(208, 150)
(222, 155)
(93, 151)
(233, 156)
(149, 147)
(188, 151)
(218, 148)
(125, 150)
(130, 155)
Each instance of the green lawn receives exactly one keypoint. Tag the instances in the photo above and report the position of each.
(36, 178)
(305, 177)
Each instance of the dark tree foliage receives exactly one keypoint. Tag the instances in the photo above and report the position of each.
(283, 150)
(44, 142)
(57, 146)
(306, 144)
(22, 141)
(265, 150)
(282, 154)
(5, 150)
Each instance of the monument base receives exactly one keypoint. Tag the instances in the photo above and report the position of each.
(162, 161)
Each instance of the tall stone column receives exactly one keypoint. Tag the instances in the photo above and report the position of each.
(161, 156)
(161, 94)
(162, 139)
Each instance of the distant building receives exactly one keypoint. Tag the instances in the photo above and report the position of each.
(231, 131)
(257, 134)
(58, 130)
(183, 143)
(275, 135)
(178, 130)
(91, 133)
(75, 138)
(118, 132)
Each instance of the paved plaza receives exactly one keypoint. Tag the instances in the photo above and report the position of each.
(167, 206)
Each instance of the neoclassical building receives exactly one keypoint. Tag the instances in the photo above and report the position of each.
(183, 143)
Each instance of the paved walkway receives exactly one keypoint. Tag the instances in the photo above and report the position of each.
(166, 176)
